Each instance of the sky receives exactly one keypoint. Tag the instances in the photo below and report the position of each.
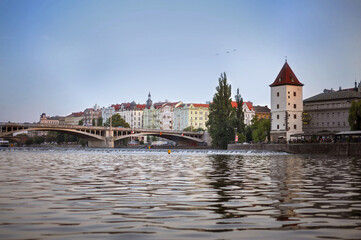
(60, 57)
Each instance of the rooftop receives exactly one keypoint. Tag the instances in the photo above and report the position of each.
(337, 95)
(286, 77)
(261, 109)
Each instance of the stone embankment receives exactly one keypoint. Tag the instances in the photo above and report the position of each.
(337, 149)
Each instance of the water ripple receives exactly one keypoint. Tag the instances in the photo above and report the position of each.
(128, 194)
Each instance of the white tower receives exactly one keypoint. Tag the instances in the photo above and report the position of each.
(286, 105)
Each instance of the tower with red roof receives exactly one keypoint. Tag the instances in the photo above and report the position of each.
(286, 105)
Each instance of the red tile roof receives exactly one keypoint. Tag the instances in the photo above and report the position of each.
(286, 77)
(234, 104)
(248, 104)
(141, 106)
(76, 114)
(200, 105)
(116, 106)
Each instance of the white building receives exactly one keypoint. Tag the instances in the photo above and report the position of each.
(107, 113)
(132, 113)
(286, 105)
(248, 111)
(166, 114)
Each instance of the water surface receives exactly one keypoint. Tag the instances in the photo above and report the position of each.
(141, 194)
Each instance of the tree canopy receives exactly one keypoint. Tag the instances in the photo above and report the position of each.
(239, 119)
(221, 115)
(354, 117)
(117, 121)
(260, 129)
(193, 129)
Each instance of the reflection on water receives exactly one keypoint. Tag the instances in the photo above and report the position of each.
(61, 194)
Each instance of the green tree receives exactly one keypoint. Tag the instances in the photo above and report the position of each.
(51, 137)
(70, 138)
(82, 142)
(248, 133)
(221, 115)
(29, 141)
(260, 129)
(192, 129)
(239, 120)
(100, 121)
(354, 117)
(81, 122)
(93, 122)
(117, 121)
(60, 137)
(39, 140)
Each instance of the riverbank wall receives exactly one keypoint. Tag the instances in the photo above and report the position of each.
(336, 149)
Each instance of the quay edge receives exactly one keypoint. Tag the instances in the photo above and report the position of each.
(335, 149)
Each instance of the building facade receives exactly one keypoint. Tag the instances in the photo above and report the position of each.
(262, 112)
(107, 113)
(248, 111)
(48, 120)
(74, 118)
(132, 113)
(328, 111)
(166, 115)
(91, 114)
(151, 116)
(286, 105)
(194, 115)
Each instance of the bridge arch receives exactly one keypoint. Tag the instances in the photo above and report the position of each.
(75, 132)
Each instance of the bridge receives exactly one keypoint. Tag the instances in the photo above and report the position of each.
(104, 137)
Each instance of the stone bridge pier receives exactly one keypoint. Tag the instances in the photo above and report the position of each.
(107, 143)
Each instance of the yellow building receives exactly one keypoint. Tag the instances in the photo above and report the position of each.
(194, 115)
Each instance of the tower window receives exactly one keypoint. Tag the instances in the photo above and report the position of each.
(294, 105)
(278, 116)
(294, 94)
(278, 106)
(278, 126)
(294, 116)
(295, 126)
(278, 94)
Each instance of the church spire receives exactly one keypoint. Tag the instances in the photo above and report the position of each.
(149, 101)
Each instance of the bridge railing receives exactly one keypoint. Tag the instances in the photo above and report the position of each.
(97, 128)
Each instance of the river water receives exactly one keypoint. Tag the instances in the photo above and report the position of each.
(150, 194)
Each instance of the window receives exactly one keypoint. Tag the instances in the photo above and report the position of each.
(294, 94)
(278, 106)
(289, 97)
(294, 116)
(278, 116)
(295, 126)
(278, 126)
(278, 94)
(294, 105)
(289, 104)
